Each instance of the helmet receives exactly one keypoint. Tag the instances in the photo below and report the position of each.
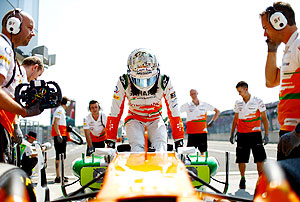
(143, 68)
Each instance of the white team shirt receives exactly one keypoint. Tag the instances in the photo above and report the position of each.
(7, 64)
(196, 112)
(60, 113)
(95, 126)
(247, 110)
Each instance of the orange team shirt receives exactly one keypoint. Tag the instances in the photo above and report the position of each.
(289, 96)
(249, 114)
(196, 116)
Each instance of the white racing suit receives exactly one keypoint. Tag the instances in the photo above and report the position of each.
(145, 109)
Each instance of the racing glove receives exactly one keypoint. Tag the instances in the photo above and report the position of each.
(34, 110)
(272, 47)
(110, 144)
(17, 135)
(266, 139)
(232, 139)
(289, 141)
(178, 143)
(90, 150)
(211, 123)
(59, 139)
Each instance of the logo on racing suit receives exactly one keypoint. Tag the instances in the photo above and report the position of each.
(173, 95)
(141, 93)
(116, 97)
(117, 90)
(2, 57)
(8, 51)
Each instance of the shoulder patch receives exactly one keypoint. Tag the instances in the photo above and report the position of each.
(124, 81)
(164, 81)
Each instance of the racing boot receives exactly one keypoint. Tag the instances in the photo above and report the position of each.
(243, 183)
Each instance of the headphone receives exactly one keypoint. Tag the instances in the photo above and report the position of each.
(276, 18)
(93, 102)
(14, 24)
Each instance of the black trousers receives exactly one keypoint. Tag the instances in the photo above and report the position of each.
(6, 146)
(27, 164)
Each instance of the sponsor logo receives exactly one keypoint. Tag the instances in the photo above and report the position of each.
(142, 93)
(116, 97)
(2, 57)
(8, 51)
(116, 90)
(173, 95)
(122, 81)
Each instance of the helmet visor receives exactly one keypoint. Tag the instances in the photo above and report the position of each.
(144, 82)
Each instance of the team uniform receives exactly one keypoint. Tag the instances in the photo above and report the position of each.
(60, 148)
(289, 104)
(13, 77)
(145, 109)
(289, 96)
(249, 130)
(196, 125)
(98, 135)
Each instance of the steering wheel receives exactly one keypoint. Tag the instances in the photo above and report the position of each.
(48, 94)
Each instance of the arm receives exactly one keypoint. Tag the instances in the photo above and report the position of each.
(265, 122)
(7, 103)
(272, 72)
(88, 137)
(173, 111)
(116, 112)
(56, 128)
(234, 124)
(215, 117)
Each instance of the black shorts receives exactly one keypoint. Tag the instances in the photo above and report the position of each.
(98, 144)
(60, 148)
(198, 140)
(6, 146)
(247, 142)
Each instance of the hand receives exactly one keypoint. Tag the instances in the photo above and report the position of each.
(178, 143)
(266, 139)
(90, 150)
(34, 110)
(232, 139)
(210, 124)
(272, 47)
(110, 144)
(60, 139)
(17, 135)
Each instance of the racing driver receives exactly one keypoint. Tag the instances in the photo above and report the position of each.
(144, 87)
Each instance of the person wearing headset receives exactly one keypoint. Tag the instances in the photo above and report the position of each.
(278, 22)
(144, 87)
(94, 127)
(17, 30)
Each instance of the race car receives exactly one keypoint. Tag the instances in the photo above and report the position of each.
(88, 167)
